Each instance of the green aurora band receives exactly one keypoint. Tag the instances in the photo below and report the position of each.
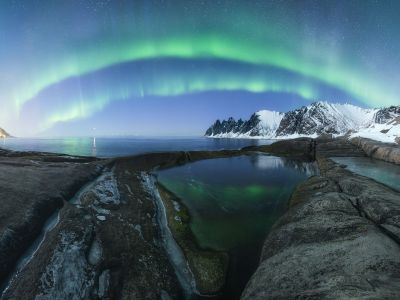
(346, 45)
(164, 82)
(204, 46)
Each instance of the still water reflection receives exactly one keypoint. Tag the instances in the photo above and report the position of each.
(378, 170)
(233, 203)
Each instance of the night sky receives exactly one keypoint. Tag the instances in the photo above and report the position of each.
(173, 67)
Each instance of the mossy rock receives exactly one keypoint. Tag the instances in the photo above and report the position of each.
(209, 267)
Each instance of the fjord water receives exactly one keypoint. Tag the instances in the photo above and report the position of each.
(233, 202)
(383, 172)
(113, 147)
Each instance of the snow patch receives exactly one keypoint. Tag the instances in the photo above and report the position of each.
(269, 122)
(386, 133)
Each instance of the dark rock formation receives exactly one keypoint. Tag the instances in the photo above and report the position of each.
(319, 118)
(385, 115)
(338, 147)
(237, 127)
(308, 120)
(379, 150)
(339, 240)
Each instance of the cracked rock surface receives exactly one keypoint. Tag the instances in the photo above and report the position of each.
(379, 150)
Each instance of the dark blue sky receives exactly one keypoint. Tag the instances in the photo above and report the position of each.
(173, 67)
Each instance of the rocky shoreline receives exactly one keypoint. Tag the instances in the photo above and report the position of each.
(378, 150)
(105, 222)
(106, 234)
(339, 240)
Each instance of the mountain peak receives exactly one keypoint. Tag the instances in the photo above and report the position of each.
(318, 118)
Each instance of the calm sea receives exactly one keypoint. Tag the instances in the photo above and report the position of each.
(112, 147)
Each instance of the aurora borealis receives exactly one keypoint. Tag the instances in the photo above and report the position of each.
(69, 66)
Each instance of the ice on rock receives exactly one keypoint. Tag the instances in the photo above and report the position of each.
(104, 282)
(107, 190)
(101, 218)
(177, 207)
(68, 261)
(138, 228)
(101, 211)
(95, 253)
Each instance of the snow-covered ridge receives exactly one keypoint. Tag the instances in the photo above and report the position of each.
(314, 120)
(269, 122)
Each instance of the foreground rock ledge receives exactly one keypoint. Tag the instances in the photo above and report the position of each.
(105, 242)
(339, 240)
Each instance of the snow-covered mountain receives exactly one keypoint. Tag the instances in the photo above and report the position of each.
(325, 118)
(263, 123)
(313, 120)
(3, 133)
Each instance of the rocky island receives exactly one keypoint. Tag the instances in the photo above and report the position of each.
(338, 240)
(4, 134)
(86, 228)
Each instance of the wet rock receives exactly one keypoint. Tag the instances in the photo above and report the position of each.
(340, 241)
(304, 147)
(207, 266)
(339, 147)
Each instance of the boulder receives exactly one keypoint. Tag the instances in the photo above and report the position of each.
(383, 151)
